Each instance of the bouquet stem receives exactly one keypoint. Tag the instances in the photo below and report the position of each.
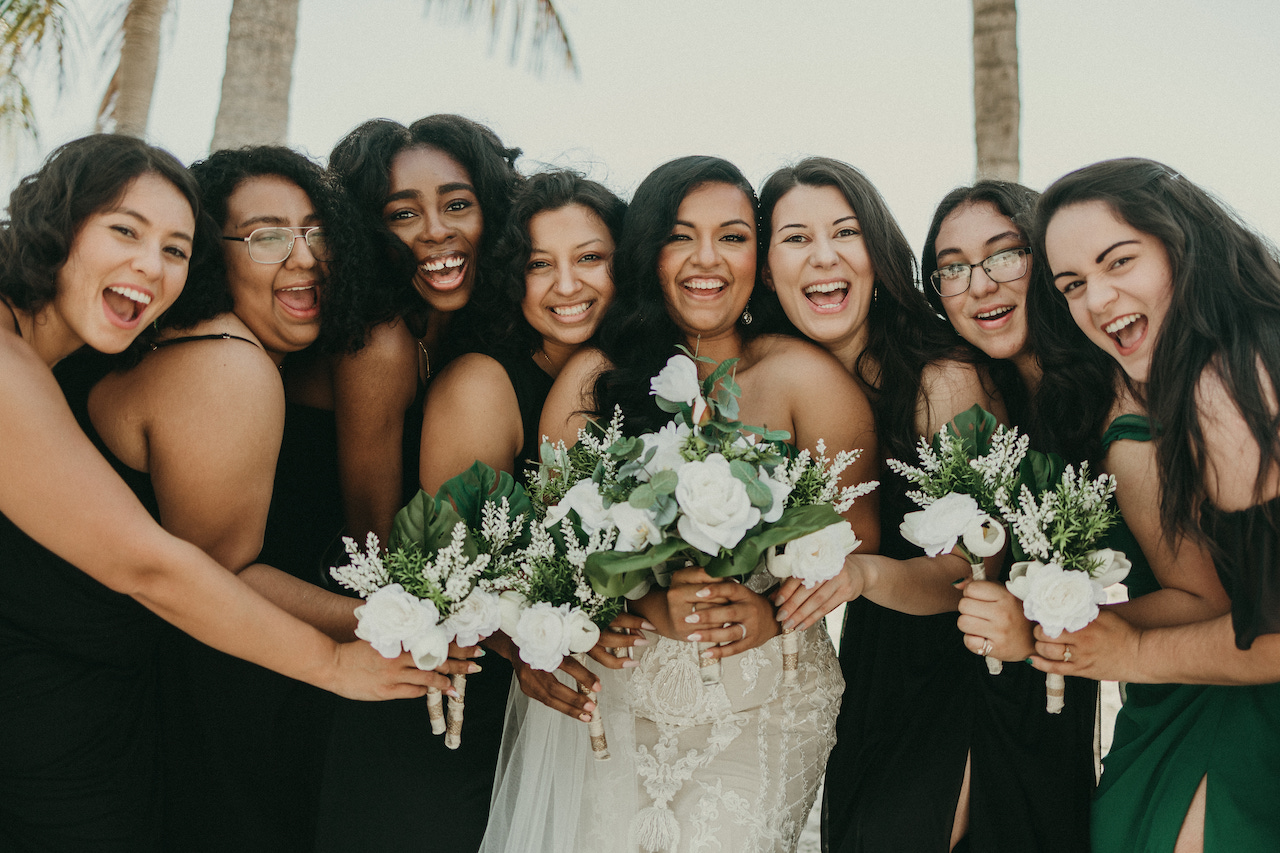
(595, 727)
(1055, 691)
(453, 734)
(994, 665)
(709, 667)
(790, 656)
(435, 709)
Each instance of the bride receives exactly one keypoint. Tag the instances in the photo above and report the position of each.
(727, 766)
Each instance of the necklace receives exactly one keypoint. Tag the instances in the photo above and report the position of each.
(426, 359)
(540, 351)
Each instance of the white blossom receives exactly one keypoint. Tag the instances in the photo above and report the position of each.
(938, 527)
(1060, 600)
(476, 617)
(391, 616)
(715, 510)
(817, 557)
(541, 636)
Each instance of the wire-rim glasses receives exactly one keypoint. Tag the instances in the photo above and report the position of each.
(274, 245)
(1004, 265)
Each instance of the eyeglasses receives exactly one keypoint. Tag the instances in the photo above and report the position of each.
(1005, 265)
(274, 245)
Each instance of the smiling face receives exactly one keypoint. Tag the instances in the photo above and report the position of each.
(1117, 280)
(990, 315)
(567, 280)
(820, 268)
(433, 209)
(127, 264)
(707, 267)
(280, 303)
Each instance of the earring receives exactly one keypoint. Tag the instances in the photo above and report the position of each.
(746, 315)
(875, 294)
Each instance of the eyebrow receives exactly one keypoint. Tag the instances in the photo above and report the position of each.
(850, 217)
(1100, 257)
(128, 211)
(272, 219)
(535, 250)
(1003, 235)
(725, 224)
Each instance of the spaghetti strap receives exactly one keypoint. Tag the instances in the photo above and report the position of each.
(226, 336)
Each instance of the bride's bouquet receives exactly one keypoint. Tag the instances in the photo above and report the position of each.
(437, 581)
(969, 462)
(1065, 580)
(704, 489)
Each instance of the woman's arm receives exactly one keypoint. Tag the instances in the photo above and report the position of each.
(60, 491)
(471, 415)
(571, 395)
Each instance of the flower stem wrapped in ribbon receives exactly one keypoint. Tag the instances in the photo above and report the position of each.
(436, 583)
(1065, 581)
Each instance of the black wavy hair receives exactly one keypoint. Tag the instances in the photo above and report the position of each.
(362, 161)
(903, 332)
(508, 333)
(344, 275)
(637, 334)
(48, 207)
(1224, 315)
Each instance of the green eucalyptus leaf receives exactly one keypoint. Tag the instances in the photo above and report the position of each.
(642, 497)
(664, 482)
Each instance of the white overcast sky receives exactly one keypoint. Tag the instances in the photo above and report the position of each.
(883, 84)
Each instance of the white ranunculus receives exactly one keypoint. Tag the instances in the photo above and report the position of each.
(636, 530)
(937, 527)
(779, 490)
(476, 617)
(430, 647)
(778, 562)
(678, 381)
(666, 443)
(985, 538)
(1058, 599)
(511, 604)
(582, 632)
(1113, 566)
(541, 636)
(584, 498)
(390, 616)
(715, 510)
(819, 556)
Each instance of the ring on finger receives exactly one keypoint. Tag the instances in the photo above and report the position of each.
(986, 647)
(1066, 655)
(744, 631)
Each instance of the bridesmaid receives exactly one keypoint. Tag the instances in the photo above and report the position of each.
(432, 197)
(97, 246)
(1166, 281)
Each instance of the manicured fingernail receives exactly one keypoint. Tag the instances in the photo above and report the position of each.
(472, 668)
(782, 614)
(957, 581)
(645, 625)
(695, 638)
(586, 718)
(640, 642)
(705, 592)
(595, 688)
(707, 654)
(691, 618)
(629, 664)
(788, 625)
(451, 693)
(479, 652)
(1028, 660)
(590, 706)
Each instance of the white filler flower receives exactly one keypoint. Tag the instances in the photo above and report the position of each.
(1058, 599)
(938, 527)
(715, 510)
(391, 616)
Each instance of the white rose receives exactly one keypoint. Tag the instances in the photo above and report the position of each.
(1113, 566)
(937, 527)
(511, 604)
(678, 381)
(390, 616)
(984, 538)
(779, 490)
(583, 498)
(819, 556)
(581, 631)
(715, 510)
(636, 530)
(777, 562)
(1058, 599)
(478, 616)
(430, 647)
(540, 634)
(666, 443)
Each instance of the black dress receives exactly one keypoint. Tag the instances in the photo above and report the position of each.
(916, 702)
(390, 785)
(79, 761)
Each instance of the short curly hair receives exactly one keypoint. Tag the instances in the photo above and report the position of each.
(346, 274)
(48, 207)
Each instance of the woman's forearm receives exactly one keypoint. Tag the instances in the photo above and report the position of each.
(330, 612)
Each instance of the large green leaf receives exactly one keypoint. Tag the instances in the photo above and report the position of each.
(427, 524)
(974, 427)
(615, 573)
(428, 521)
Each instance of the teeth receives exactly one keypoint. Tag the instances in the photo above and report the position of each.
(826, 287)
(994, 312)
(451, 262)
(571, 310)
(1120, 323)
(129, 293)
(704, 284)
(298, 287)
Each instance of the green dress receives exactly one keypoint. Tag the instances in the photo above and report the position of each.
(1170, 736)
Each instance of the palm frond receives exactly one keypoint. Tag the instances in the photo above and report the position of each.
(538, 18)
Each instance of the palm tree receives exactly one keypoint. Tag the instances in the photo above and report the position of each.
(126, 104)
(27, 27)
(255, 89)
(995, 88)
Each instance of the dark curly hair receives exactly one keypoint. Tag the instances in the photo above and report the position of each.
(362, 161)
(903, 333)
(638, 335)
(344, 276)
(508, 333)
(1224, 314)
(48, 207)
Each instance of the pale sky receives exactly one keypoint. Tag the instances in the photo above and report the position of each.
(883, 84)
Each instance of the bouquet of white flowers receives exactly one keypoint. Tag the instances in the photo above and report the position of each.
(1063, 583)
(705, 489)
(436, 582)
(961, 471)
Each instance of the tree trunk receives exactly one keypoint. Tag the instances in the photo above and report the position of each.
(254, 109)
(995, 88)
(128, 98)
